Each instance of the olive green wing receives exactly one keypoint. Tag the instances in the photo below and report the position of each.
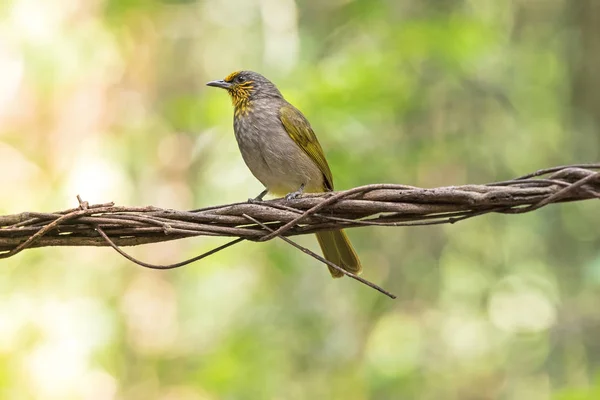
(298, 127)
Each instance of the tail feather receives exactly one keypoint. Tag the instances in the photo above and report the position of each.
(337, 248)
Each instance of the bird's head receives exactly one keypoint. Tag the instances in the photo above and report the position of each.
(244, 86)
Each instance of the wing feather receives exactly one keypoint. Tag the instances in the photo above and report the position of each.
(299, 129)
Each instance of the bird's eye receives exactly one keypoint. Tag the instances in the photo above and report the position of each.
(240, 79)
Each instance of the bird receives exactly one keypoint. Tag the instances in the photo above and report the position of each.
(281, 150)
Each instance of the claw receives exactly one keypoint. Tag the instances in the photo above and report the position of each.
(296, 194)
(259, 197)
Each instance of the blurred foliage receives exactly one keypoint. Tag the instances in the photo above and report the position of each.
(106, 99)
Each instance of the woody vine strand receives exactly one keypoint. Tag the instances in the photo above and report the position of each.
(369, 205)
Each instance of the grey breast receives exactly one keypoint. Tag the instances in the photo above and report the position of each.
(270, 153)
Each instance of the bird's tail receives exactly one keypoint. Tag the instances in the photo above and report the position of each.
(337, 248)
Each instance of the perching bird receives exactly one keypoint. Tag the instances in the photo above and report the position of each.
(283, 153)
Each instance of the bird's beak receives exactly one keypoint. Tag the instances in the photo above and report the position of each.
(220, 84)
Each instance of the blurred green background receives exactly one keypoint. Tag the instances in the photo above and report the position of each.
(106, 99)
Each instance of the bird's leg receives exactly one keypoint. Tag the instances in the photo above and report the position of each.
(296, 194)
(259, 197)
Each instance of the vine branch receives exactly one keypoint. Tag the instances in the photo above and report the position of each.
(370, 205)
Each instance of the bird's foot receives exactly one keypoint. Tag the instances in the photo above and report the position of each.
(259, 197)
(296, 194)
